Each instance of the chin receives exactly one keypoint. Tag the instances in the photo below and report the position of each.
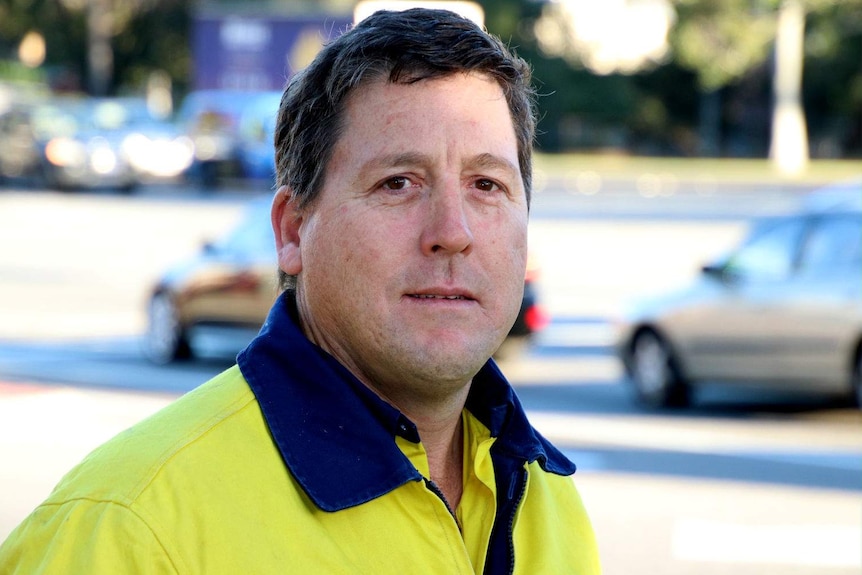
(463, 357)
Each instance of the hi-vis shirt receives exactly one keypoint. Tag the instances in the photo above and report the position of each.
(286, 463)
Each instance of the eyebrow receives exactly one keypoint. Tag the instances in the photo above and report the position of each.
(482, 161)
(399, 159)
(493, 162)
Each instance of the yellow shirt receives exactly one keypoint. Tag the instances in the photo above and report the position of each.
(232, 478)
(199, 488)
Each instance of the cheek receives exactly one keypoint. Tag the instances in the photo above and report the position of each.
(346, 253)
(508, 240)
(512, 250)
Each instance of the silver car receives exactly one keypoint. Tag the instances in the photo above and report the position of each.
(783, 309)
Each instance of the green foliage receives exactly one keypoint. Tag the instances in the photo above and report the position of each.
(14, 72)
(722, 47)
(64, 32)
(147, 35)
(832, 82)
(722, 40)
(156, 38)
(576, 108)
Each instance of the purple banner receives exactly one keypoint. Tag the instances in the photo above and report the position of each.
(256, 53)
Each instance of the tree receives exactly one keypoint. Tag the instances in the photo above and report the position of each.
(62, 30)
(577, 107)
(722, 42)
(99, 46)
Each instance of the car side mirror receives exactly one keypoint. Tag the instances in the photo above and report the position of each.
(722, 272)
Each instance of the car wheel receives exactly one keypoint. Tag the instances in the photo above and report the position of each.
(654, 373)
(128, 188)
(166, 340)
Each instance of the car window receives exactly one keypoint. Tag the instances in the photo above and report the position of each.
(252, 238)
(770, 252)
(257, 122)
(833, 242)
(52, 121)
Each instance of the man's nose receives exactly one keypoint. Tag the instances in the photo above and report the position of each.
(447, 228)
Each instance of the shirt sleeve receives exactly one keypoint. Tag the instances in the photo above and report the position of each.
(84, 537)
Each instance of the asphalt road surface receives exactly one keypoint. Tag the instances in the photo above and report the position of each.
(744, 482)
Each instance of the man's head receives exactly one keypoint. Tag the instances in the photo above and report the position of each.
(399, 47)
(404, 156)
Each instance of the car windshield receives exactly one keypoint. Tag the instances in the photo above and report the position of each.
(771, 250)
(835, 242)
(52, 120)
(252, 237)
(258, 119)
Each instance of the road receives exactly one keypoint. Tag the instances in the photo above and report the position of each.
(743, 482)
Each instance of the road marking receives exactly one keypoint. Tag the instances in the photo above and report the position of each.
(754, 438)
(576, 334)
(838, 546)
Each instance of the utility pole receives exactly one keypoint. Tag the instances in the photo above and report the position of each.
(100, 54)
(789, 144)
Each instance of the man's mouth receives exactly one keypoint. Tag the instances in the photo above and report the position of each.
(434, 296)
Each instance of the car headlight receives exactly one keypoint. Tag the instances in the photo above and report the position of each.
(103, 159)
(163, 157)
(65, 152)
(135, 145)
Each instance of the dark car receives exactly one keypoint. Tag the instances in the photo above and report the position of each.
(155, 147)
(83, 143)
(232, 133)
(784, 309)
(232, 283)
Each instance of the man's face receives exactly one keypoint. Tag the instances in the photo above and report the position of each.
(411, 261)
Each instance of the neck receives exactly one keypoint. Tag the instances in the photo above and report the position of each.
(444, 445)
(441, 431)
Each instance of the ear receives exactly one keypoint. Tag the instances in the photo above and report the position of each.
(286, 220)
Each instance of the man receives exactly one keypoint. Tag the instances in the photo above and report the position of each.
(365, 430)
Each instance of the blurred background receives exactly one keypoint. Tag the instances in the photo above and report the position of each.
(692, 325)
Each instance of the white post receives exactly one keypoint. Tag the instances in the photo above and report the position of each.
(789, 145)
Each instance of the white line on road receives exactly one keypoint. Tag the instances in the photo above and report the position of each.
(696, 435)
(838, 546)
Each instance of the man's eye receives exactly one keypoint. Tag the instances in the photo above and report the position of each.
(486, 185)
(396, 183)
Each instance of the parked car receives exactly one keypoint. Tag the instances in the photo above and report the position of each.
(784, 309)
(232, 283)
(256, 136)
(155, 147)
(83, 143)
(232, 133)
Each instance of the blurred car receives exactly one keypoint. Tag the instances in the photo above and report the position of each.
(256, 136)
(232, 133)
(154, 146)
(783, 309)
(81, 143)
(232, 283)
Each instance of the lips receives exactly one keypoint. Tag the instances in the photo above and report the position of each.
(434, 296)
(441, 293)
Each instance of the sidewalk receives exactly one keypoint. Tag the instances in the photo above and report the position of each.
(46, 429)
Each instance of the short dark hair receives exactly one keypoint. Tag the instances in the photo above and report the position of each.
(403, 47)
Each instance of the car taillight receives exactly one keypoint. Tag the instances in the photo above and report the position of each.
(536, 318)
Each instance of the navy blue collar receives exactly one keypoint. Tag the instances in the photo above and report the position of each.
(329, 426)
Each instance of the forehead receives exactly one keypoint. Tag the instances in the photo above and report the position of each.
(380, 83)
(461, 108)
